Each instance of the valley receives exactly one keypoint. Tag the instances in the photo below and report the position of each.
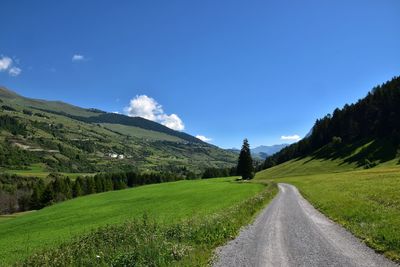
(200, 133)
(352, 180)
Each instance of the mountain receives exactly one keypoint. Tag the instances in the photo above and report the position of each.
(366, 133)
(233, 150)
(265, 151)
(91, 115)
(261, 152)
(61, 137)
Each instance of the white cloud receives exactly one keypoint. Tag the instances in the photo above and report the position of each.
(294, 137)
(5, 63)
(78, 57)
(203, 138)
(145, 107)
(14, 71)
(172, 121)
(148, 108)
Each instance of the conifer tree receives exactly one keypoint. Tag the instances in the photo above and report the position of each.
(245, 163)
(47, 198)
(90, 186)
(77, 188)
(37, 191)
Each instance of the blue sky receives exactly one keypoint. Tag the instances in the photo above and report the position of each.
(226, 69)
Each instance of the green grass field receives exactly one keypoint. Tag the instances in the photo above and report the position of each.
(38, 170)
(366, 202)
(167, 203)
(14, 215)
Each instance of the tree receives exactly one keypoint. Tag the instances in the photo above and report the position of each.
(245, 163)
(90, 186)
(48, 195)
(77, 188)
(336, 141)
(37, 192)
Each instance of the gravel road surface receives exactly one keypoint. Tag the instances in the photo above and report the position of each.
(290, 232)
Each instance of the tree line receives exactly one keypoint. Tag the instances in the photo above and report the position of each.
(27, 193)
(18, 193)
(219, 172)
(376, 116)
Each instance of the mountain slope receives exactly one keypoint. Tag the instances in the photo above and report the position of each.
(63, 137)
(13, 98)
(89, 115)
(365, 134)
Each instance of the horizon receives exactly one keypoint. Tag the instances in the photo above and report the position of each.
(222, 71)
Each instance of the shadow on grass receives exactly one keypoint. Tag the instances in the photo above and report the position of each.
(300, 158)
(378, 151)
(372, 151)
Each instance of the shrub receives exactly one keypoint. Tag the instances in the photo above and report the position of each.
(27, 112)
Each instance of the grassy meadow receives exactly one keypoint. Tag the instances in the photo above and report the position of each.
(166, 204)
(39, 170)
(141, 133)
(366, 202)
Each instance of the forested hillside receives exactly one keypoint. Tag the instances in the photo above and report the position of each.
(58, 137)
(366, 133)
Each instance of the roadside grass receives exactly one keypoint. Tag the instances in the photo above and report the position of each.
(146, 242)
(167, 204)
(366, 202)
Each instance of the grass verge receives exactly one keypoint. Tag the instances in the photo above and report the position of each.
(146, 242)
(367, 203)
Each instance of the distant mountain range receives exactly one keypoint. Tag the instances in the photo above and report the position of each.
(265, 151)
(262, 152)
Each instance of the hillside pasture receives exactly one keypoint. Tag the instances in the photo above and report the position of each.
(166, 203)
